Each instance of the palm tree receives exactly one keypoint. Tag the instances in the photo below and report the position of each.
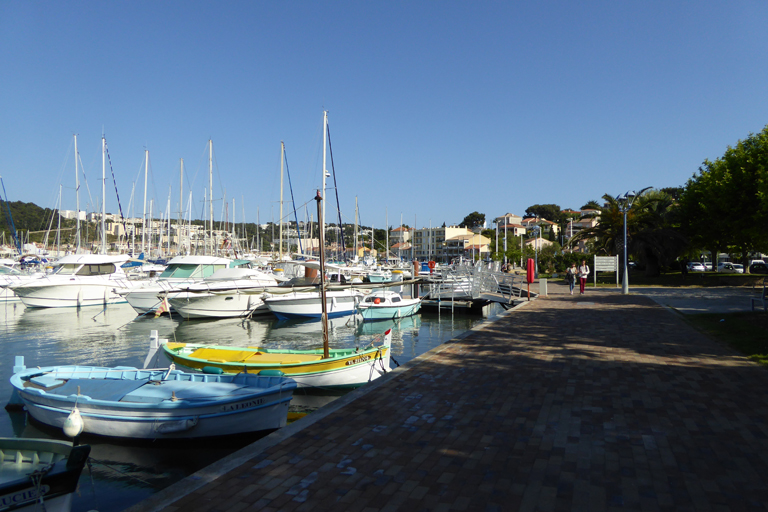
(652, 238)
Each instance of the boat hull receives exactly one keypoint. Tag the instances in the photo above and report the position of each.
(209, 305)
(70, 294)
(309, 305)
(376, 312)
(348, 370)
(182, 406)
(61, 463)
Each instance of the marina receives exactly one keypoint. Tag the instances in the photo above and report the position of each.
(121, 473)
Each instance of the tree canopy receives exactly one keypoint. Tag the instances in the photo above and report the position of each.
(551, 212)
(473, 220)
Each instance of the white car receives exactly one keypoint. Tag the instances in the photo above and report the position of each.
(695, 266)
(732, 268)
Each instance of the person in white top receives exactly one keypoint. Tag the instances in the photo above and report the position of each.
(583, 273)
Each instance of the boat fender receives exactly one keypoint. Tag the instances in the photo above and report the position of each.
(214, 370)
(170, 427)
(73, 425)
(271, 373)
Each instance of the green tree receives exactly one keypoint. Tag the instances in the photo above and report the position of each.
(591, 205)
(725, 206)
(473, 220)
(550, 212)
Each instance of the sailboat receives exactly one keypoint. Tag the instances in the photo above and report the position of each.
(321, 368)
(79, 279)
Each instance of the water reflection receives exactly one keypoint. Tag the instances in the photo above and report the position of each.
(124, 473)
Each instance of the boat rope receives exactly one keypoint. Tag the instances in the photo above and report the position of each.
(335, 186)
(37, 481)
(290, 186)
(93, 485)
(119, 207)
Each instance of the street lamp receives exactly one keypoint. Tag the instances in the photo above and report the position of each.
(625, 203)
(536, 232)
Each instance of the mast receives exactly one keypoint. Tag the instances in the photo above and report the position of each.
(356, 221)
(58, 229)
(77, 194)
(324, 316)
(234, 229)
(168, 224)
(258, 230)
(144, 213)
(282, 164)
(103, 195)
(386, 221)
(325, 175)
(210, 188)
(181, 205)
(149, 236)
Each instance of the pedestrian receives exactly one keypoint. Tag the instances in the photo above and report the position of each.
(583, 273)
(570, 276)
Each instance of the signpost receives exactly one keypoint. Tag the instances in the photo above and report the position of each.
(606, 264)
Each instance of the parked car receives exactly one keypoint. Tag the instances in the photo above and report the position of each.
(758, 267)
(733, 268)
(695, 266)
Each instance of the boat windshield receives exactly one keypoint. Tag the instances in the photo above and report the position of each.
(97, 270)
(184, 271)
(66, 269)
(8, 271)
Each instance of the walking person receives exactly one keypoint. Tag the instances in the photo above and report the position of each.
(583, 273)
(570, 276)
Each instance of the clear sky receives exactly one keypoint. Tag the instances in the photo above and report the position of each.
(436, 109)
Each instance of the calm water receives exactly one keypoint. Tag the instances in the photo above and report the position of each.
(122, 474)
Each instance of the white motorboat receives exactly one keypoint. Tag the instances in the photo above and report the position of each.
(10, 274)
(307, 304)
(181, 271)
(77, 280)
(227, 293)
(383, 305)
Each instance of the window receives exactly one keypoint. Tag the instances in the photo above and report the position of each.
(97, 270)
(67, 269)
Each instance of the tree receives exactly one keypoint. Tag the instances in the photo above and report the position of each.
(473, 220)
(652, 237)
(591, 205)
(725, 205)
(550, 212)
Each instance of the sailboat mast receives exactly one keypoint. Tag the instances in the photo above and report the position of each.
(357, 219)
(181, 207)
(58, 228)
(103, 195)
(324, 316)
(77, 194)
(325, 173)
(144, 213)
(282, 164)
(210, 188)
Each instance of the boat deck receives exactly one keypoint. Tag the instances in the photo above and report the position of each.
(596, 402)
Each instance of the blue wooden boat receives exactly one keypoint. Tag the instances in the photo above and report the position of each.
(128, 402)
(39, 474)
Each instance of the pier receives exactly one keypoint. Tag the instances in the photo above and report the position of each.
(596, 402)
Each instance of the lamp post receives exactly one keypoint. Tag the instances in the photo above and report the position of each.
(536, 231)
(625, 203)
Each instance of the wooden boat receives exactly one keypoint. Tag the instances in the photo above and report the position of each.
(387, 305)
(343, 368)
(151, 404)
(39, 474)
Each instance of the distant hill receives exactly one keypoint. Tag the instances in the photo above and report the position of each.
(26, 217)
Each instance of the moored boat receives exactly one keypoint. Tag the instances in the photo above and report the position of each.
(39, 474)
(382, 305)
(293, 304)
(343, 368)
(128, 402)
(76, 280)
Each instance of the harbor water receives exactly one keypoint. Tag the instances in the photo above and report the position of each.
(121, 474)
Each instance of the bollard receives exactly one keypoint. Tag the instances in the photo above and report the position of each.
(543, 287)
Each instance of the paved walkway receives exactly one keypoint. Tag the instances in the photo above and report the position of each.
(594, 402)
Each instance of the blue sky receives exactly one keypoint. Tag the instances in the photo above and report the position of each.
(436, 109)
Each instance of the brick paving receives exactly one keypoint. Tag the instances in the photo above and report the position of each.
(601, 402)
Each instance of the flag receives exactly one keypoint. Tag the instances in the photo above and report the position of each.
(163, 307)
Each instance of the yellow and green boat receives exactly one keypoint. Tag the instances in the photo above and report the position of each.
(343, 368)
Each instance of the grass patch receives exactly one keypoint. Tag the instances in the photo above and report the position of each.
(745, 332)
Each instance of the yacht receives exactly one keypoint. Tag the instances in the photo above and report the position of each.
(75, 281)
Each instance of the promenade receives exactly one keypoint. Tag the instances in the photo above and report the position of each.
(568, 403)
